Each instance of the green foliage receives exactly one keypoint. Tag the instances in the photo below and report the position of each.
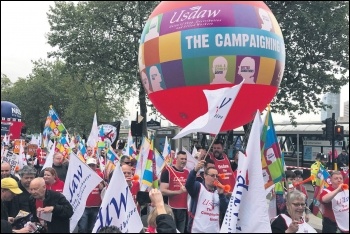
(50, 85)
(316, 35)
(98, 43)
(5, 83)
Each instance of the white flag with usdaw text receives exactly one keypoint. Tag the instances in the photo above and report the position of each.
(219, 104)
(118, 207)
(247, 211)
(79, 183)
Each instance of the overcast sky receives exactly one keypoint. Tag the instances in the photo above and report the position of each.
(23, 29)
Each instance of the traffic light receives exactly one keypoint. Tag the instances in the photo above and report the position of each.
(329, 129)
(339, 133)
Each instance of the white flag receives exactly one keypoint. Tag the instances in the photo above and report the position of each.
(194, 151)
(93, 137)
(167, 149)
(79, 183)
(118, 207)
(247, 211)
(142, 158)
(6, 140)
(191, 161)
(219, 104)
(22, 161)
(49, 156)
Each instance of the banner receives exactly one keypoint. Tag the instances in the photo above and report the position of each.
(247, 211)
(5, 128)
(17, 143)
(118, 207)
(79, 183)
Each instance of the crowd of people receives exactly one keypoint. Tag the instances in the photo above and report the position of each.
(186, 202)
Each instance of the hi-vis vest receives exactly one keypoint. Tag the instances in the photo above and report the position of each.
(314, 170)
(340, 207)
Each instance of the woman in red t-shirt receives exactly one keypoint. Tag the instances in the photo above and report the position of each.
(52, 181)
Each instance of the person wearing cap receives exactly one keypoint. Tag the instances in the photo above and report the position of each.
(9, 189)
(93, 202)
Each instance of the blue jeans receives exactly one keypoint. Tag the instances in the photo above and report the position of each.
(87, 220)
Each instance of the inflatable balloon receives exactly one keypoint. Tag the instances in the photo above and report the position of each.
(11, 120)
(187, 47)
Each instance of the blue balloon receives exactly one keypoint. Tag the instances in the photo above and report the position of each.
(10, 111)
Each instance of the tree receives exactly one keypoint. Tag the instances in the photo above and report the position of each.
(99, 43)
(98, 39)
(316, 36)
(5, 83)
(48, 84)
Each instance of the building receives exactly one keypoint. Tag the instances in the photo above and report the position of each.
(332, 99)
(346, 110)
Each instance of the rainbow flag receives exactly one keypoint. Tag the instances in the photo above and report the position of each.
(63, 146)
(323, 176)
(53, 127)
(147, 178)
(271, 156)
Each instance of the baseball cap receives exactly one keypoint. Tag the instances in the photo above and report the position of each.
(11, 184)
(321, 156)
(91, 161)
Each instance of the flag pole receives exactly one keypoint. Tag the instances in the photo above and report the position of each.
(211, 144)
(171, 169)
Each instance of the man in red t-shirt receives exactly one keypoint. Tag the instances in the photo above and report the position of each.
(172, 185)
(335, 201)
(93, 202)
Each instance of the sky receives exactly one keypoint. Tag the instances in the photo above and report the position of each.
(24, 26)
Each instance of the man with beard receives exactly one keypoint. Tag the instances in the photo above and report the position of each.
(172, 185)
(223, 164)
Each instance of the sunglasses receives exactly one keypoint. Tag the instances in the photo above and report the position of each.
(127, 163)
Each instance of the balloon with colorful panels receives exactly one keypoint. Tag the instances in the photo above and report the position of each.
(187, 47)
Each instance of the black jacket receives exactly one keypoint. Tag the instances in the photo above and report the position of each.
(165, 224)
(19, 202)
(62, 211)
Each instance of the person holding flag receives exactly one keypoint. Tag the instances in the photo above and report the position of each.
(317, 169)
(172, 183)
(93, 202)
(335, 201)
(207, 202)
